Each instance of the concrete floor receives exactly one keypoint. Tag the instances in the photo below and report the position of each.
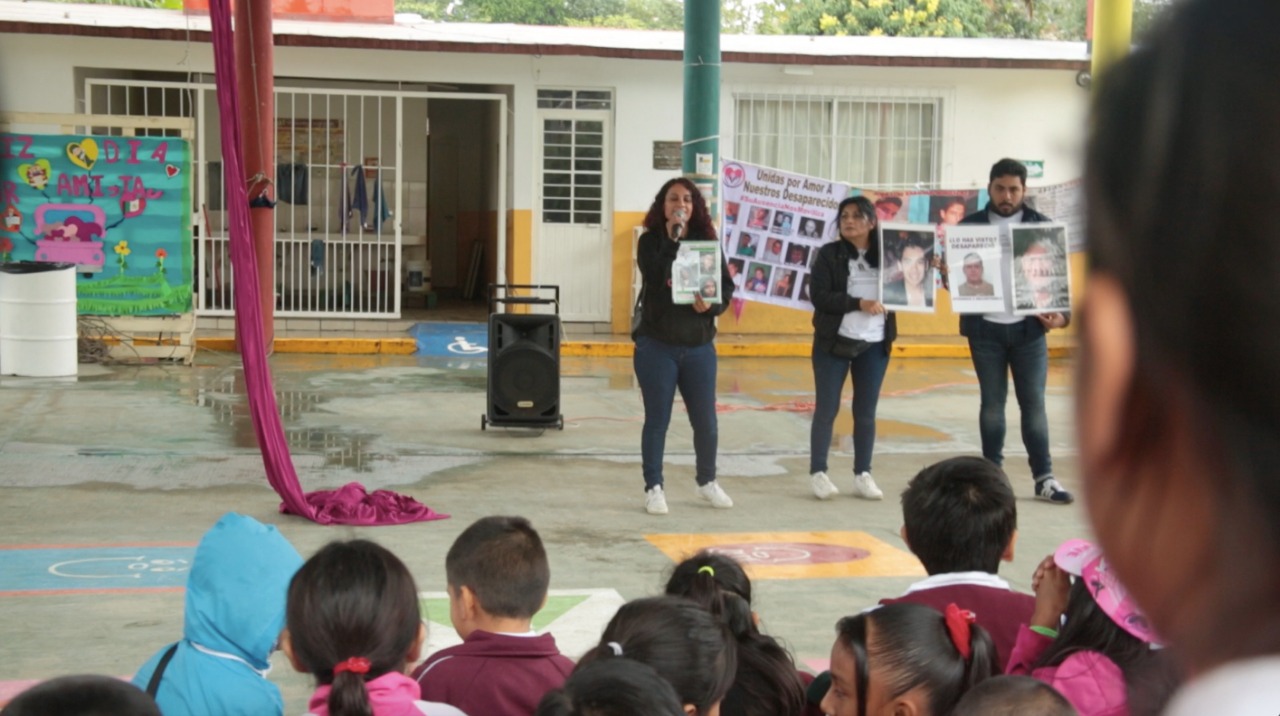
(154, 455)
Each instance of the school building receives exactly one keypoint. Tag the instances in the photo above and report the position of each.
(514, 154)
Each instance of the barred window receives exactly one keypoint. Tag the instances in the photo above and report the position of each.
(867, 141)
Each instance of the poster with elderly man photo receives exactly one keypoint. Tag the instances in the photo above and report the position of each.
(1040, 269)
(973, 261)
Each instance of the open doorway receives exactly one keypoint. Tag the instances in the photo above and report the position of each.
(464, 202)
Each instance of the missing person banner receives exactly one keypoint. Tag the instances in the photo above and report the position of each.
(973, 260)
(774, 222)
(1040, 269)
(906, 267)
(1064, 203)
(772, 225)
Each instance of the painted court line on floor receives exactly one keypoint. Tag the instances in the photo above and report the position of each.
(797, 555)
(42, 570)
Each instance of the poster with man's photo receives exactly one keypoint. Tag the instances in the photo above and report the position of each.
(773, 224)
(906, 273)
(696, 272)
(1041, 270)
(937, 207)
(973, 260)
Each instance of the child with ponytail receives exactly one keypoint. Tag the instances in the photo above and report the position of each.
(353, 621)
(681, 641)
(612, 687)
(766, 682)
(906, 660)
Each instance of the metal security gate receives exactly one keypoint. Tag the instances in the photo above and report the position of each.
(339, 187)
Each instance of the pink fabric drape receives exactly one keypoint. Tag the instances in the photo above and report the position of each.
(350, 504)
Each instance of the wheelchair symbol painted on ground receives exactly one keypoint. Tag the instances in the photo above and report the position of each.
(462, 346)
(60, 569)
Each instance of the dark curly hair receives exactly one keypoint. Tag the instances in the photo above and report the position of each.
(699, 224)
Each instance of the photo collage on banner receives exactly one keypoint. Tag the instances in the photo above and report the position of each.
(696, 272)
(973, 260)
(772, 227)
(907, 281)
(1041, 270)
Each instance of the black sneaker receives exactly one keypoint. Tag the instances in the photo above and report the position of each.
(1050, 490)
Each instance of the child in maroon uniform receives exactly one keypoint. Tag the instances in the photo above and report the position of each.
(960, 519)
(498, 575)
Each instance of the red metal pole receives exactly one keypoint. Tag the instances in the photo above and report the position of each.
(255, 58)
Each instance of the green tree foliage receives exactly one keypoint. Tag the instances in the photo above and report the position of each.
(633, 14)
(910, 18)
(1044, 19)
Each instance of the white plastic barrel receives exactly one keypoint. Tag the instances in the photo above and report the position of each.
(38, 320)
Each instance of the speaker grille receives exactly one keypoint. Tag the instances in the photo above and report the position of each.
(524, 367)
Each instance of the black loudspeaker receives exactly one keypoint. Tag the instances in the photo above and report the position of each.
(524, 371)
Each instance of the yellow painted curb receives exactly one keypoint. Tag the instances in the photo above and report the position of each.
(329, 346)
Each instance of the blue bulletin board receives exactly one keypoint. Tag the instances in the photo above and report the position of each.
(119, 208)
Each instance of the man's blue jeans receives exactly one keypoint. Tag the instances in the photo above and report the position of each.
(661, 368)
(998, 349)
(829, 372)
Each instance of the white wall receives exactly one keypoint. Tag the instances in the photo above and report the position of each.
(1023, 114)
(1026, 114)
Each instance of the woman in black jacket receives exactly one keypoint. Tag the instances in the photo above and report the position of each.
(674, 346)
(852, 336)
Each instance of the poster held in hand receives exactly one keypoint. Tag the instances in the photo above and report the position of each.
(696, 272)
(906, 277)
(1040, 269)
(973, 261)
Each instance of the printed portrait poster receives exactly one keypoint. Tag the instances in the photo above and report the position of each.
(939, 207)
(696, 272)
(773, 224)
(973, 260)
(118, 208)
(906, 276)
(1040, 269)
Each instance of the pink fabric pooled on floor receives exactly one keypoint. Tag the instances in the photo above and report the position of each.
(350, 504)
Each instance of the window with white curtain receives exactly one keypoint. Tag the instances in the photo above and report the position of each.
(873, 142)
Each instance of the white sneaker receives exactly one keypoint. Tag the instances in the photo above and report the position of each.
(655, 503)
(1050, 490)
(716, 496)
(865, 487)
(822, 486)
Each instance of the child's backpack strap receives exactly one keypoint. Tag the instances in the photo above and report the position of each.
(154, 684)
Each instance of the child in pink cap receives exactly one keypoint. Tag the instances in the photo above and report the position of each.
(1087, 638)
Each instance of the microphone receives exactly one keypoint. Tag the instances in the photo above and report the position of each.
(678, 230)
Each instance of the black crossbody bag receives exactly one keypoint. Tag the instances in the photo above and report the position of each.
(850, 348)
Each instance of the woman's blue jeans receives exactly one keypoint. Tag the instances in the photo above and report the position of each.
(829, 372)
(998, 350)
(661, 368)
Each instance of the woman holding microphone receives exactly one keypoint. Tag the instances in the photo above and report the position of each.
(674, 343)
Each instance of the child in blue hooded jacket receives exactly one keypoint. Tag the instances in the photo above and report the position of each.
(234, 614)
